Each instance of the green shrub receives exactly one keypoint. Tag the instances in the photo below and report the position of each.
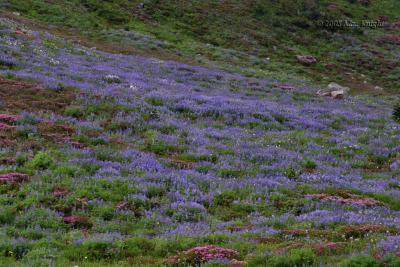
(45, 218)
(155, 191)
(21, 159)
(303, 257)
(6, 215)
(259, 260)
(155, 101)
(291, 173)
(106, 213)
(40, 257)
(359, 261)
(139, 246)
(41, 161)
(97, 250)
(310, 164)
(225, 199)
(74, 111)
(297, 257)
(66, 170)
(390, 260)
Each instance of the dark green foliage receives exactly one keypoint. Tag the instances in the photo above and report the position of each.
(41, 161)
(360, 261)
(139, 246)
(259, 260)
(155, 101)
(296, 257)
(291, 173)
(225, 199)
(7, 215)
(310, 164)
(396, 112)
(74, 111)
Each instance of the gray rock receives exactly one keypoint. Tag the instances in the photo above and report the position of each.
(335, 91)
(112, 78)
(306, 60)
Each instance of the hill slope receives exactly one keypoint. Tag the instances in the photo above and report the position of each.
(121, 156)
(255, 37)
(114, 160)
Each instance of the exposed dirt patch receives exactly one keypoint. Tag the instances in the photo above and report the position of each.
(357, 231)
(347, 199)
(24, 96)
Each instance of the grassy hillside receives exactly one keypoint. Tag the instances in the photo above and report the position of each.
(185, 133)
(258, 38)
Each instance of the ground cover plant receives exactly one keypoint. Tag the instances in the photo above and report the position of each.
(110, 159)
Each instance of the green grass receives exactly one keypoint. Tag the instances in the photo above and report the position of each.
(240, 36)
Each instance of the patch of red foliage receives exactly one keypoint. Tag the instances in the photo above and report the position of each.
(8, 161)
(23, 96)
(59, 133)
(306, 232)
(6, 127)
(13, 177)
(198, 255)
(362, 230)
(329, 248)
(389, 39)
(8, 118)
(77, 221)
(349, 199)
(60, 192)
(122, 205)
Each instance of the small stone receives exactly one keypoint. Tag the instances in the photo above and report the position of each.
(336, 87)
(333, 7)
(306, 60)
(335, 91)
(287, 87)
(337, 94)
(112, 78)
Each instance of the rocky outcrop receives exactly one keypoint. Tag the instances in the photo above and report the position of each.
(335, 91)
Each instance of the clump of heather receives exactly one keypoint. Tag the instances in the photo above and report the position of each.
(198, 255)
